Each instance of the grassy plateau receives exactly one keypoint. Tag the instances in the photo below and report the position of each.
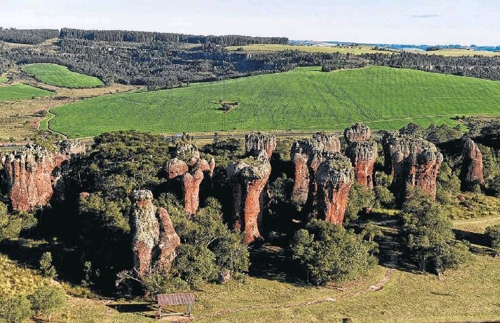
(303, 99)
(21, 91)
(60, 76)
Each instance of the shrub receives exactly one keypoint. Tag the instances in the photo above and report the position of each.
(493, 235)
(46, 300)
(14, 309)
(46, 267)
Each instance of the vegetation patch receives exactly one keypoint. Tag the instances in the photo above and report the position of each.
(21, 91)
(60, 76)
(303, 99)
(3, 79)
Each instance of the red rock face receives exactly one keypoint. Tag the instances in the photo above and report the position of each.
(363, 155)
(257, 142)
(191, 172)
(29, 174)
(472, 165)
(155, 241)
(249, 178)
(307, 155)
(191, 188)
(335, 177)
(29, 177)
(358, 132)
(415, 162)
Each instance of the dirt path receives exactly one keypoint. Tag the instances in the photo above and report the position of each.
(374, 288)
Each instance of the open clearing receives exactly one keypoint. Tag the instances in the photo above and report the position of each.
(60, 76)
(304, 99)
(21, 91)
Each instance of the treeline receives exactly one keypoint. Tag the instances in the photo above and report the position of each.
(149, 37)
(474, 66)
(165, 65)
(27, 36)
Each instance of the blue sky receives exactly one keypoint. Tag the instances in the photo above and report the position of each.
(376, 21)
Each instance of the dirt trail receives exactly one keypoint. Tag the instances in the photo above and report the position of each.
(374, 288)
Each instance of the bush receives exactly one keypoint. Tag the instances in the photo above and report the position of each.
(46, 300)
(493, 235)
(330, 253)
(46, 267)
(15, 309)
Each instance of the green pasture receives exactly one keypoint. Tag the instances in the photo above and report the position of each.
(303, 99)
(21, 91)
(60, 76)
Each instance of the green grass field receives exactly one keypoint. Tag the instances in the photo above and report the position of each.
(60, 76)
(21, 91)
(303, 99)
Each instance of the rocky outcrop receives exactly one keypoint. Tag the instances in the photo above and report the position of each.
(154, 240)
(414, 162)
(334, 179)
(362, 153)
(306, 156)
(190, 169)
(248, 179)
(257, 142)
(472, 165)
(358, 132)
(30, 173)
(363, 156)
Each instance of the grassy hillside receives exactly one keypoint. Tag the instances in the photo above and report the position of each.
(60, 76)
(303, 99)
(21, 91)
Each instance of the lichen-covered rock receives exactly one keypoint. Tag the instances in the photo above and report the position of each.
(248, 179)
(175, 168)
(358, 132)
(306, 156)
(334, 179)
(188, 153)
(257, 142)
(472, 165)
(154, 240)
(363, 155)
(69, 149)
(28, 175)
(414, 162)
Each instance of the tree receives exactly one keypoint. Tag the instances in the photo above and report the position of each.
(493, 235)
(14, 309)
(195, 264)
(46, 266)
(328, 252)
(11, 225)
(359, 198)
(46, 300)
(428, 236)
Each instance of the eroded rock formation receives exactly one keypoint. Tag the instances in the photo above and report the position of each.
(358, 132)
(306, 156)
(191, 170)
(256, 142)
(154, 240)
(248, 179)
(334, 179)
(414, 162)
(472, 165)
(29, 173)
(363, 155)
